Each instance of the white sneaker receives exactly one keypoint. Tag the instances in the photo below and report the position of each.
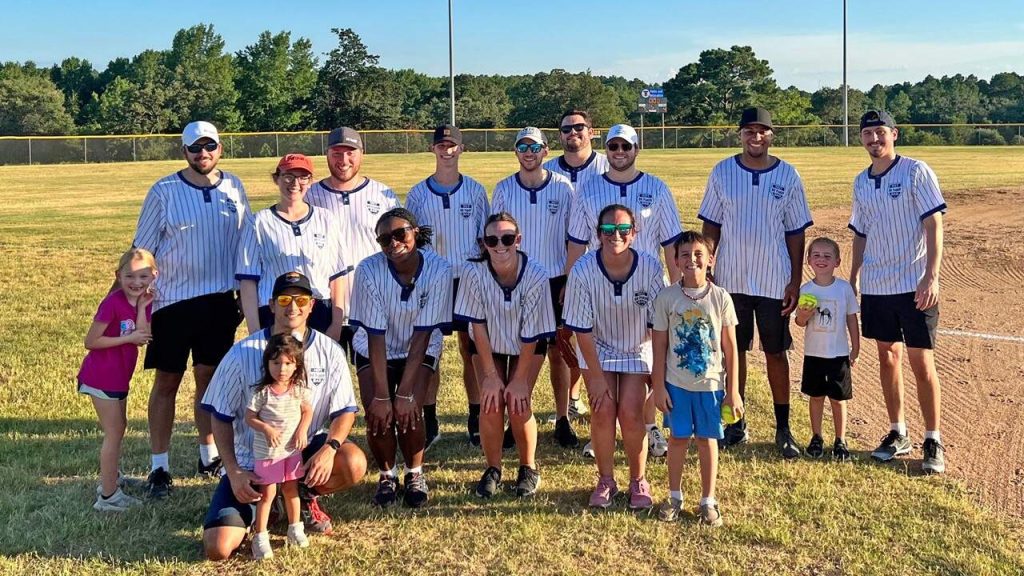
(577, 409)
(261, 546)
(657, 445)
(588, 450)
(297, 536)
(118, 502)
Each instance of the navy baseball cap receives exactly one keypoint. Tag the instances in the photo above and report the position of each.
(345, 136)
(756, 116)
(291, 280)
(447, 133)
(873, 118)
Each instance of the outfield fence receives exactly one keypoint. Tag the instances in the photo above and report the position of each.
(137, 147)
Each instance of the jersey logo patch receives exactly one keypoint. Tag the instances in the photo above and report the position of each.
(645, 199)
(641, 298)
(422, 299)
(373, 207)
(127, 327)
(895, 189)
(230, 205)
(778, 191)
(466, 210)
(553, 206)
(317, 376)
(320, 240)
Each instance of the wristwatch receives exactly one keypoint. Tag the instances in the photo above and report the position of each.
(333, 444)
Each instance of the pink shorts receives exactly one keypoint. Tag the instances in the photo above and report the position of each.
(276, 470)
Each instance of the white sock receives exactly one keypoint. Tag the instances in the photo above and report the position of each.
(161, 460)
(934, 435)
(415, 470)
(208, 453)
(709, 501)
(393, 473)
(296, 528)
(900, 427)
(676, 495)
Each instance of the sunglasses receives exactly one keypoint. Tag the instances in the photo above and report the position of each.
(572, 128)
(397, 235)
(292, 178)
(614, 146)
(197, 148)
(301, 300)
(611, 229)
(536, 147)
(506, 240)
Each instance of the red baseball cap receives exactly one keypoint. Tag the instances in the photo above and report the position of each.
(295, 162)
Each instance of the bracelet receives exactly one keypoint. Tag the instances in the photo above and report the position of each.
(410, 397)
(375, 399)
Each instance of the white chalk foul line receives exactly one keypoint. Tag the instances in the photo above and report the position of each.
(982, 335)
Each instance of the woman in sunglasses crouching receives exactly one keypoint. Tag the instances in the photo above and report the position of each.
(506, 299)
(609, 303)
(401, 300)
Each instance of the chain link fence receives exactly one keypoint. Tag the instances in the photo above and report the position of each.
(82, 149)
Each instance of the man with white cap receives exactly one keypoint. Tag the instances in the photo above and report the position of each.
(192, 222)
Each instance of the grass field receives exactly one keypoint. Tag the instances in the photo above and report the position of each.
(61, 229)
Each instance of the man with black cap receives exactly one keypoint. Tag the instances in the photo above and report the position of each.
(455, 207)
(332, 463)
(754, 213)
(897, 253)
(355, 202)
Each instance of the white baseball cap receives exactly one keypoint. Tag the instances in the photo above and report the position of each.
(624, 131)
(199, 129)
(531, 133)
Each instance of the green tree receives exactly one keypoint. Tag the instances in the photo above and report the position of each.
(716, 88)
(30, 104)
(349, 72)
(540, 100)
(77, 79)
(203, 78)
(275, 81)
(827, 104)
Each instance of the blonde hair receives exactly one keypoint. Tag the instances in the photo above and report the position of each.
(827, 242)
(136, 254)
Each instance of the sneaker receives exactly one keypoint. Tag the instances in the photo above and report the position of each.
(840, 452)
(565, 435)
(297, 536)
(527, 482)
(786, 444)
(387, 491)
(433, 435)
(211, 470)
(640, 495)
(588, 450)
(735, 434)
(489, 482)
(657, 445)
(934, 457)
(604, 493)
(261, 546)
(123, 482)
(709, 515)
(509, 440)
(816, 449)
(893, 444)
(577, 409)
(159, 481)
(416, 491)
(313, 516)
(670, 510)
(118, 502)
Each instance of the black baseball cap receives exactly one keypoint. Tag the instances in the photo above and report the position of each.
(756, 116)
(873, 118)
(345, 136)
(291, 280)
(447, 133)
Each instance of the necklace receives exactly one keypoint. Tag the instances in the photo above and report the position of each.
(707, 288)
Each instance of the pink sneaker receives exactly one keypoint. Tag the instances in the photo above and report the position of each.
(640, 495)
(604, 493)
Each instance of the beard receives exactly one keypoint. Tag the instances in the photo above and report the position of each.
(200, 169)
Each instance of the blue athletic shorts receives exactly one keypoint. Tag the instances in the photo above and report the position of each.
(695, 413)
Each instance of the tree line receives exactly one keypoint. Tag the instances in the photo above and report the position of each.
(279, 84)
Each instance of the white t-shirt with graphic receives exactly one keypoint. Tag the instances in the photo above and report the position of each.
(825, 335)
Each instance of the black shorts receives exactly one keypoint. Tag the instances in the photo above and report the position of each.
(204, 325)
(772, 326)
(457, 325)
(827, 377)
(895, 318)
(347, 334)
(395, 368)
(225, 510)
(557, 285)
(319, 317)
(540, 350)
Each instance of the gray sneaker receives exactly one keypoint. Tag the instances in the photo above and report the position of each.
(118, 502)
(670, 510)
(709, 515)
(261, 546)
(893, 444)
(934, 457)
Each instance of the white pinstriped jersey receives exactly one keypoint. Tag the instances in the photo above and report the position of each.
(234, 383)
(513, 315)
(193, 232)
(457, 218)
(756, 209)
(543, 217)
(657, 218)
(382, 305)
(271, 246)
(596, 165)
(618, 314)
(889, 211)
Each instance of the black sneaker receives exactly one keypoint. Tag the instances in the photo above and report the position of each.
(735, 434)
(159, 484)
(564, 434)
(314, 519)
(211, 470)
(840, 452)
(387, 491)
(527, 482)
(509, 441)
(488, 483)
(934, 457)
(893, 444)
(473, 431)
(786, 444)
(416, 491)
(816, 449)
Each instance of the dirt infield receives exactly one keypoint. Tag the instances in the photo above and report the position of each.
(982, 294)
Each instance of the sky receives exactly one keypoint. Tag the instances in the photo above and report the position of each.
(889, 41)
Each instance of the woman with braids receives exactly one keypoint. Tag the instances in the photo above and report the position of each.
(506, 300)
(401, 301)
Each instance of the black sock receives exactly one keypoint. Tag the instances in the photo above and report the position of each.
(781, 416)
(473, 423)
(430, 414)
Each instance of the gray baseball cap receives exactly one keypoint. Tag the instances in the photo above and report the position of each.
(345, 136)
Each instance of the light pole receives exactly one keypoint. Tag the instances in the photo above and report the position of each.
(451, 63)
(846, 103)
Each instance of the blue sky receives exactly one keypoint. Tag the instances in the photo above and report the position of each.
(890, 41)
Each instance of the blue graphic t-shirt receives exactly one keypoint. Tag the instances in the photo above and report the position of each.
(694, 327)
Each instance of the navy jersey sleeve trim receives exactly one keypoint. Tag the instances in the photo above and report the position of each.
(338, 275)
(345, 410)
(222, 417)
(672, 240)
(358, 324)
(939, 208)
(247, 277)
(461, 318)
(544, 336)
(579, 329)
(440, 326)
(708, 220)
(576, 240)
(800, 229)
(857, 232)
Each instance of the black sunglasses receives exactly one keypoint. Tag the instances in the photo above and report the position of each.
(397, 235)
(572, 128)
(197, 148)
(506, 240)
(614, 146)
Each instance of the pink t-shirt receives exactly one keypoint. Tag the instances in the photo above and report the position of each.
(110, 369)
